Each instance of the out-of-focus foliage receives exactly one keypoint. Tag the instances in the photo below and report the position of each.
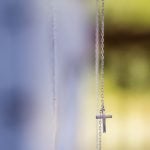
(130, 13)
(127, 74)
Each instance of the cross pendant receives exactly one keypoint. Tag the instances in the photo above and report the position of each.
(103, 116)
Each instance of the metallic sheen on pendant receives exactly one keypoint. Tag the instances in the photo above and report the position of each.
(103, 116)
(99, 72)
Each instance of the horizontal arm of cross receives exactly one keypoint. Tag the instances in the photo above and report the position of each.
(103, 116)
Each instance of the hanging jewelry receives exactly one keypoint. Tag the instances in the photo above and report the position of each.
(99, 58)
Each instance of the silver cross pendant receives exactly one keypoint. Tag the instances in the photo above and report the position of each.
(103, 116)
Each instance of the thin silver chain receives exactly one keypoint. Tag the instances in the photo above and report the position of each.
(97, 58)
(54, 48)
(102, 55)
(99, 63)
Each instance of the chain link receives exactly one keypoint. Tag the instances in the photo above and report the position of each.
(54, 47)
(102, 56)
(53, 52)
(99, 58)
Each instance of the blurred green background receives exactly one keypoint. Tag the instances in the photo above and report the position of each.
(127, 80)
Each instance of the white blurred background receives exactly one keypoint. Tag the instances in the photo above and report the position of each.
(26, 103)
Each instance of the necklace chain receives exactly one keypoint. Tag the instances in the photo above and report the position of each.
(53, 52)
(102, 56)
(54, 47)
(97, 57)
(99, 63)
